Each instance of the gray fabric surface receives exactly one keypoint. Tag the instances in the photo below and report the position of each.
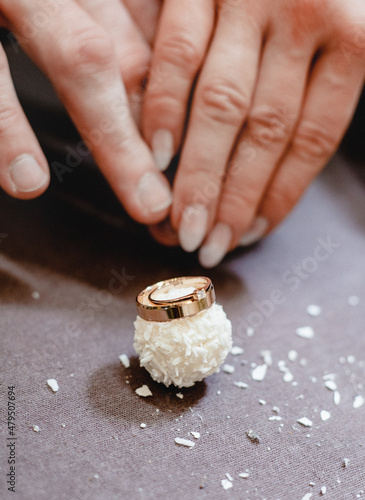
(83, 321)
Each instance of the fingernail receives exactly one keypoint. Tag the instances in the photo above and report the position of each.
(154, 194)
(193, 227)
(26, 174)
(163, 148)
(216, 246)
(256, 232)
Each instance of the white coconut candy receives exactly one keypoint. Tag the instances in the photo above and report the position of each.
(187, 349)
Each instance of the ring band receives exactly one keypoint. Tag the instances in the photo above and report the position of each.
(175, 298)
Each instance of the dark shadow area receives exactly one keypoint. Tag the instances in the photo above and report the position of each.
(14, 289)
(112, 393)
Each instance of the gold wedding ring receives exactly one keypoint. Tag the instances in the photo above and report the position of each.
(175, 298)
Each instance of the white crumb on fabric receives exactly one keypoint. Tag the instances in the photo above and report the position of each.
(71, 375)
(143, 425)
(306, 332)
(253, 436)
(36, 296)
(306, 422)
(307, 496)
(267, 357)
(196, 435)
(336, 398)
(244, 475)
(358, 402)
(325, 415)
(229, 477)
(288, 376)
(123, 358)
(314, 310)
(250, 331)
(331, 385)
(144, 391)
(259, 373)
(275, 417)
(307, 435)
(53, 384)
(312, 483)
(292, 355)
(345, 462)
(63, 425)
(313, 379)
(226, 484)
(303, 362)
(351, 359)
(184, 442)
(323, 490)
(180, 395)
(236, 350)
(228, 368)
(241, 385)
(219, 393)
(36, 428)
(329, 376)
(262, 402)
(276, 409)
(354, 300)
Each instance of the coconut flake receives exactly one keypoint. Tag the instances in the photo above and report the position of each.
(259, 373)
(275, 417)
(262, 402)
(323, 490)
(184, 442)
(336, 398)
(229, 477)
(36, 428)
(236, 350)
(253, 436)
(358, 401)
(307, 496)
(250, 331)
(267, 357)
(331, 385)
(228, 368)
(288, 376)
(53, 384)
(196, 435)
(226, 484)
(306, 332)
(306, 422)
(292, 355)
(345, 463)
(244, 475)
(144, 391)
(325, 415)
(143, 425)
(123, 358)
(314, 310)
(241, 385)
(180, 395)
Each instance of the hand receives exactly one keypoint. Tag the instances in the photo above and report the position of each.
(86, 50)
(277, 85)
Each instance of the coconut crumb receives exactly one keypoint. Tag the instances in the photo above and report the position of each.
(250, 331)
(180, 395)
(253, 436)
(259, 373)
(288, 376)
(123, 358)
(306, 332)
(36, 428)
(144, 391)
(275, 417)
(307, 496)
(345, 462)
(262, 402)
(323, 490)
(244, 475)
(267, 357)
(184, 442)
(229, 477)
(226, 484)
(292, 355)
(314, 310)
(237, 350)
(53, 384)
(325, 415)
(331, 385)
(63, 425)
(241, 385)
(143, 425)
(196, 435)
(336, 398)
(228, 368)
(306, 422)
(358, 401)
(36, 296)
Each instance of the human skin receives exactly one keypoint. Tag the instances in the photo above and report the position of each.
(93, 56)
(276, 86)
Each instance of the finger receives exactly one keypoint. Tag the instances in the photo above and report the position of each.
(81, 63)
(132, 49)
(270, 122)
(221, 102)
(145, 14)
(181, 43)
(164, 233)
(24, 171)
(330, 103)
